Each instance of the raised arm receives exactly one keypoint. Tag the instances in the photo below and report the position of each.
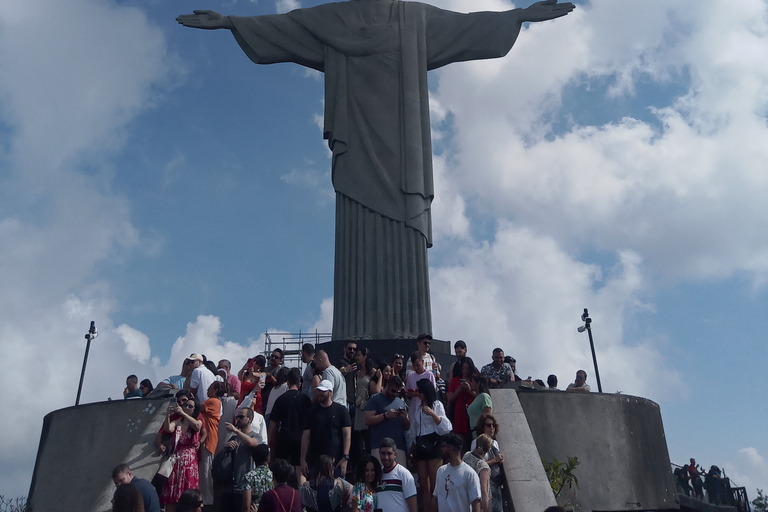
(543, 11)
(208, 20)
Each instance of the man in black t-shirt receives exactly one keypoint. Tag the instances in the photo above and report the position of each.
(286, 424)
(327, 431)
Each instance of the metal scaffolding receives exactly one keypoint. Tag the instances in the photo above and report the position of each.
(291, 342)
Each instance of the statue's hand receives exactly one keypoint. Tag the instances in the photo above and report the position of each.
(546, 10)
(209, 20)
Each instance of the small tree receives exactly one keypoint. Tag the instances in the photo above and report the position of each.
(560, 475)
(760, 503)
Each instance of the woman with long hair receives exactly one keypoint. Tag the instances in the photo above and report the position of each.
(367, 477)
(488, 425)
(368, 384)
(386, 371)
(326, 493)
(146, 387)
(460, 397)
(428, 424)
(481, 402)
(127, 498)
(398, 365)
(476, 460)
(252, 376)
(182, 422)
(190, 501)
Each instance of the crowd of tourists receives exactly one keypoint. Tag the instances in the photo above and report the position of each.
(347, 436)
(692, 480)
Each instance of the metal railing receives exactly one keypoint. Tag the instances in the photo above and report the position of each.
(731, 494)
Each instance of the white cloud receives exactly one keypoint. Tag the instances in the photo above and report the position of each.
(749, 470)
(325, 322)
(68, 90)
(686, 196)
(136, 343)
(523, 293)
(286, 5)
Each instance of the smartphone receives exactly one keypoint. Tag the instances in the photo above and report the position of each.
(463, 381)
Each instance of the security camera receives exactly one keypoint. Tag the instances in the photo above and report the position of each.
(92, 332)
(584, 315)
(582, 328)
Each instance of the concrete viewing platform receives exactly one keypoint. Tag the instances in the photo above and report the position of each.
(618, 439)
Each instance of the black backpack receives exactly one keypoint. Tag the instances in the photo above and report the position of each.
(223, 467)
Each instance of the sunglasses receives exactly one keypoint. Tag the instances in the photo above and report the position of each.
(426, 342)
(399, 356)
(274, 356)
(490, 425)
(188, 405)
(240, 416)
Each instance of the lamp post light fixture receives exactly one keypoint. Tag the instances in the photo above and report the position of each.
(588, 327)
(92, 333)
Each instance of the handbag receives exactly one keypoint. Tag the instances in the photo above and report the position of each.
(167, 466)
(426, 445)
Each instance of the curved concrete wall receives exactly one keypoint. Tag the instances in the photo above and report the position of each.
(79, 447)
(620, 443)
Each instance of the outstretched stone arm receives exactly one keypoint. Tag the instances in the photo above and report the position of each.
(208, 20)
(543, 11)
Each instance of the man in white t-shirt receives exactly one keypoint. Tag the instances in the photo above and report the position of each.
(397, 492)
(457, 486)
(201, 378)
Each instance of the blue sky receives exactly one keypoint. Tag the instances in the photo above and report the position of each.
(154, 180)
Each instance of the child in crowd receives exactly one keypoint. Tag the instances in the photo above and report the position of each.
(259, 480)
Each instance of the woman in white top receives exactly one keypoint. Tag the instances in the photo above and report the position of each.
(428, 424)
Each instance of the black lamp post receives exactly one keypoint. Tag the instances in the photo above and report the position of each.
(588, 327)
(92, 333)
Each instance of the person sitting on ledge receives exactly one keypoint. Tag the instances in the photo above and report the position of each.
(132, 387)
(580, 384)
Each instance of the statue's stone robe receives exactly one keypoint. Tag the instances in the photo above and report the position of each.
(375, 55)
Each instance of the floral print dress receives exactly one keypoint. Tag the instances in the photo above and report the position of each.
(185, 474)
(366, 500)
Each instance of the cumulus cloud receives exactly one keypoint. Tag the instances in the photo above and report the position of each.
(136, 343)
(660, 189)
(68, 90)
(749, 470)
(523, 293)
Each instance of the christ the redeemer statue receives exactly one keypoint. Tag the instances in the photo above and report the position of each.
(375, 55)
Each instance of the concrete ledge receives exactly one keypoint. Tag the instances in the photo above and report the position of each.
(528, 484)
(619, 441)
(79, 447)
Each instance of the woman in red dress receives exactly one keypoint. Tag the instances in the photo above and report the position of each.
(459, 397)
(182, 422)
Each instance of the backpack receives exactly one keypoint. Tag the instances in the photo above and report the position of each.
(223, 467)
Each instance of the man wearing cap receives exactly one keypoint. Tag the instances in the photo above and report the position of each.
(332, 374)
(327, 431)
(200, 379)
(423, 343)
(234, 382)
